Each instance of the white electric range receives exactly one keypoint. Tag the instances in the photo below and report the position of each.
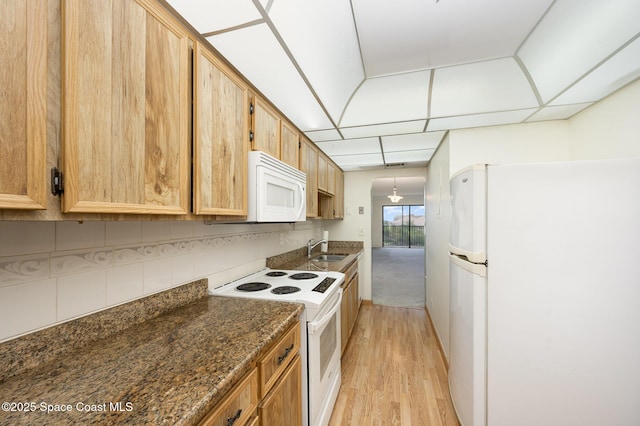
(321, 294)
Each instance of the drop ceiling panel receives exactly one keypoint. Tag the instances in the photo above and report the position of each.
(622, 69)
(561, 112)
(351, 147)
(497, 85)
(574, 37)
(325, 47)
(215, 15)
(408, 156)
(406, 35)
(383, 129)
(389, 99)
(363, 160)
(323, 135)
(412, 142)
(260, 58)
(480, 120)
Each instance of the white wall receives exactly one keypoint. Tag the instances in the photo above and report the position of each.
(543, 141)
(608, 129)
(355, 226)
(51, 272)
(436, 242)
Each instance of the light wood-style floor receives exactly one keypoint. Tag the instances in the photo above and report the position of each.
(392, 372)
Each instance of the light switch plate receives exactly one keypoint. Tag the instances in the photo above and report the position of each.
(360, 210)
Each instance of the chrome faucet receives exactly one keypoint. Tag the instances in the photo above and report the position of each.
(311, 245)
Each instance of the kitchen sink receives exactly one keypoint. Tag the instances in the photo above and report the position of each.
(328, 257)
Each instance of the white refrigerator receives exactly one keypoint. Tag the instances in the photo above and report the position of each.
(545, 294)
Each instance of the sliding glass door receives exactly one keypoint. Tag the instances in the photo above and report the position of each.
(403, 226)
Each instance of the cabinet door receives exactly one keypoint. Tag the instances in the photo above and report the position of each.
(309, 165)
(322, 172)
(338, 198)
(290, 149)
(331, 177)
(283, 405)
(344, 317)
(23, 104)
(126, 108)
(221, 131)
(266, 128)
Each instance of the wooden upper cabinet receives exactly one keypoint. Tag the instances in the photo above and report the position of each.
(338, 197)
(221, 132)
(126, 108)
(309, 165)
(331, 177)
(23, 104)
(265, 128)
(323, 181)
(290, 150)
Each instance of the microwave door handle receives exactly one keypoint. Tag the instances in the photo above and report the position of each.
(302, 199)
(319, 324)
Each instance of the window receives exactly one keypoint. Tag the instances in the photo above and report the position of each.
(403, 226)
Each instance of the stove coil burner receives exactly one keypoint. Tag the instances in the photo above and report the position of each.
(285, 289)
(276, 274)
(257, 286)
(303, 276)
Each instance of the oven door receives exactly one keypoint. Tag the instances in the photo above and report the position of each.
(280, 196)
(324, 361)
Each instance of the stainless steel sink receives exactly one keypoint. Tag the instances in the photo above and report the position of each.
(328, 257)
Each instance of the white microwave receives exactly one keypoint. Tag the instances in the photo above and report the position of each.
(277, 191)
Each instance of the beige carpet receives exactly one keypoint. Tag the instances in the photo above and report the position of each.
(398, 277)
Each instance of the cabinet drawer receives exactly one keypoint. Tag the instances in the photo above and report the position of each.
(274, 362)
(350, 272)
(238, 406)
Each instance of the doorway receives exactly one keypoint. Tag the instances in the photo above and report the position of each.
(398, 239)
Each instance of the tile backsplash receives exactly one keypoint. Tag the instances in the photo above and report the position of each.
(51, 272)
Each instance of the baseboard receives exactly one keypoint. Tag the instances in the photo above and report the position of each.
(366, 302)
(440, 347)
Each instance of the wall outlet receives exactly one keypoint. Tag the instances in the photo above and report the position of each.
(361, 231)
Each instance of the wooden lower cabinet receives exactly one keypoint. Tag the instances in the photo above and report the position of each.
(270, 394)
(239, 406)
(350, 305)
(283, 404)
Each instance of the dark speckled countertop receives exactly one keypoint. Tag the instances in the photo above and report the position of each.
(171, 369)
(297, 259)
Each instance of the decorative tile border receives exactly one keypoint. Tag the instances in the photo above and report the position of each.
(22, 269)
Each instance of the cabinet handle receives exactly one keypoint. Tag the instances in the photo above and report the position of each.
(286, 354)
(232, 420)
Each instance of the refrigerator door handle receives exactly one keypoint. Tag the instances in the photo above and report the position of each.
(473, 256)
(474, 268)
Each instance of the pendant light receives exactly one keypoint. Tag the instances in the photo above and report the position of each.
(395, 197)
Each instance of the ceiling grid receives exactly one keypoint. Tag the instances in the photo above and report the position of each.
(407, 72)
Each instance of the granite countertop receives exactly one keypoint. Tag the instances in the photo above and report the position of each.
(171, 369)
(297, 259)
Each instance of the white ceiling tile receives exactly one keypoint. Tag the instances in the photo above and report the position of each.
(326, 47)
(412, 141)
(409, 156)
(215, 15)
(623, 68)
(561, 112)
(260, 58)
(383, 129)
(358, 160)
(323, 135)
(351, 147)
(409, 35)
(574, 37)
(480, 120)
(389, 99)
(497, 85)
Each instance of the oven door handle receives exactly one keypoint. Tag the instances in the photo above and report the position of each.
(320, 323)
